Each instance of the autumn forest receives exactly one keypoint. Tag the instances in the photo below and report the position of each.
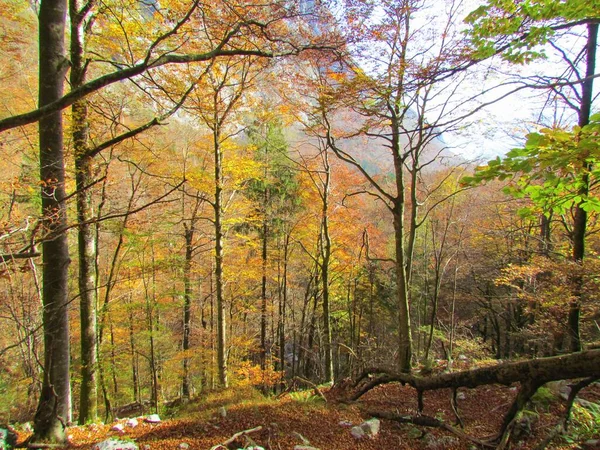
(281, 195)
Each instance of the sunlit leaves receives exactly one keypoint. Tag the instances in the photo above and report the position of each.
(518, 29)
(552, 169)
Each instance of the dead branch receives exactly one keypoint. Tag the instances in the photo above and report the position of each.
(428, 421)
(543, 370)
(531, 374)
(234, 437)
(316, 389)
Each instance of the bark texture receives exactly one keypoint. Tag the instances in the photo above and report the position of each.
(53, 410)
(542, 370)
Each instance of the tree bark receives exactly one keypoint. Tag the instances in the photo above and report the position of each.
(221, 323)
(54, 404)
(404, 328)
(187, 309)
(580, 217)
(326, 258)
(88, 398)
(542, 370)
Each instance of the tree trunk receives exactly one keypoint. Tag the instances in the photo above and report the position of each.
(404, 328)
(221, 323)
(326, 257)
(54, 404)
(541, 370)
(263, 289)
(187, 310)
(134, 359)
(88, 397)
(580, 217)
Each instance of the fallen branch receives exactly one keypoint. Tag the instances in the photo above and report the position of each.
(543, 370)
(234, 437)
(316, 389)
(428, 421)
(531, 374)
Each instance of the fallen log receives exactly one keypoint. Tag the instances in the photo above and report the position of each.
(542, 370)
(530, 374)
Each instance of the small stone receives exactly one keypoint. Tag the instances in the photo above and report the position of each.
(345, 423)
(462, 358)
(254, 447)
(27, 427)
(115, 444)
(184, 446)
(132, 423)
(152, 418)
(118, 427)
(441, 442)
(371, 427)
(461, 396)
(222, 412)
(357, 432)
(304, 447)
(591, 444)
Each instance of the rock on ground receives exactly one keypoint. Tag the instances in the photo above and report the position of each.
(115, 444)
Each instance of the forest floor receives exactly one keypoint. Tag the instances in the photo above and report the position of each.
(288, 420)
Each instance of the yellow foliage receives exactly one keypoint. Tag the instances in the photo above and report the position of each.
(249, 374)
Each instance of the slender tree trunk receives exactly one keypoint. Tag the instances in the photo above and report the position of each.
(187, 310)
(326, 258)
(88, 399)
(283, 300)
(581, 219)
(263, 290)
(221, 322)
(134, 365)
(54, 404)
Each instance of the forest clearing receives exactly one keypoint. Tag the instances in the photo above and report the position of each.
(370, 223)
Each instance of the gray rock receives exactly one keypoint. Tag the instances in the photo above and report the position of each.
(345, 423)
(118, 427)
(184, 446)
(357, 432)
(222, 412)
(305, 447)
(461, 396)
(371, 427)
(132, 423)
(115, 444)
(591, 444)
(152, 418)
(441, 442)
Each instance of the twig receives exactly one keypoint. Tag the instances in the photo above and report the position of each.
(234, 437)
(312, 385)
(428, 421)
